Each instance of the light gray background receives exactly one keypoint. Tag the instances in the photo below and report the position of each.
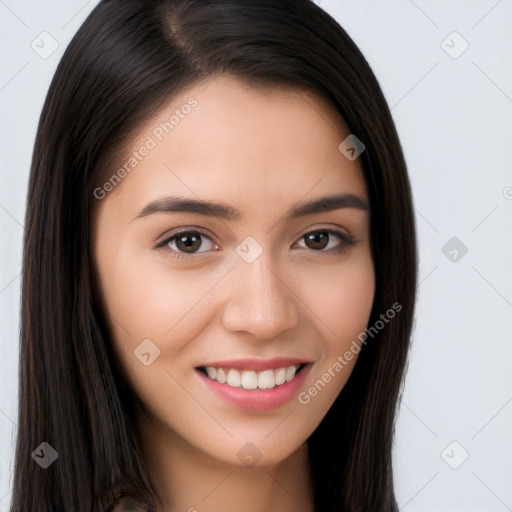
(454, 117)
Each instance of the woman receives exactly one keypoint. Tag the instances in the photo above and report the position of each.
(219, 268)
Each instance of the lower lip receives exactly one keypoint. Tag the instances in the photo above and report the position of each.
(258, 400)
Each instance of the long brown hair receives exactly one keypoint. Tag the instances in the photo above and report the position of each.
(127, 59)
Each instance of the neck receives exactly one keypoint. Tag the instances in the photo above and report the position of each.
(189, 480)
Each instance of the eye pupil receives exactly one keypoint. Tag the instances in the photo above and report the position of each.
(319, 237)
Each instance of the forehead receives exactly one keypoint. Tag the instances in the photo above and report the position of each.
(226, 140)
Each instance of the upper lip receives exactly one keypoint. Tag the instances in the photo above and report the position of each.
(257, 364)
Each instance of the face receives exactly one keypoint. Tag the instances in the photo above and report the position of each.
(232, 292)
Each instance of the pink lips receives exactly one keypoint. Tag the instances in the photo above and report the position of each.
(256, 399)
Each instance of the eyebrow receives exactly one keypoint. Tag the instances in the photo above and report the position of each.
(173, 204)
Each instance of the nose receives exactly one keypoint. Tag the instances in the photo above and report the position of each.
(259, 300)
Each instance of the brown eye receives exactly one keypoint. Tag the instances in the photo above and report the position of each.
(317, 240)
(320, 239)
(185, 243)
(188, 242)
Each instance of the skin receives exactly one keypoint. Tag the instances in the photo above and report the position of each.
(261, 151)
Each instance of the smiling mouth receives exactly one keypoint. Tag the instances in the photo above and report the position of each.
(252, 379)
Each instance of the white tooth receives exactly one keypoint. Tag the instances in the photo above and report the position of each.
(249, 380)
(266, 379)
(221, 375)
(280, 377)
(290, 373)
(234, 378)
(212, 372)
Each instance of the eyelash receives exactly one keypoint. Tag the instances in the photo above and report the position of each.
(347, 241)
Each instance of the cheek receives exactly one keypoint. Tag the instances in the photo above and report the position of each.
(345, 299)
(139, 306)
(147, 299)
(344, 306)
(141, 296)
